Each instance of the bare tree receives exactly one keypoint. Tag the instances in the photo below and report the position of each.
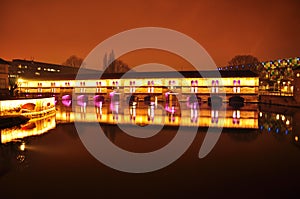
(73, 61)
(117, 66)
(243, 60)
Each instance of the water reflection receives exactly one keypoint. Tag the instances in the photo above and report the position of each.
(13, 147)
(33, 127)
(191, 114)
(280, 124)
(13, 156)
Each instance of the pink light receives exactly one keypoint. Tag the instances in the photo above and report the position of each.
(82, 98)
(112, 94)
(66, 97)
(67, 102)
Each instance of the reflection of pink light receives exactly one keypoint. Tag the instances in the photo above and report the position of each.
(112, 94)
(67, 102)
(39, 95)
(66, 97)
(114, 107)
(98, 98)
(170, 109)
(98, 104)
(173, 109)
(81, 103)
(82, 98)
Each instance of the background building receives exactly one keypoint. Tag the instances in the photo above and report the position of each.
(3, 78)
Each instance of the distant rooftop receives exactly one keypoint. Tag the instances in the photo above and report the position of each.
(167, 74)
(2, 61)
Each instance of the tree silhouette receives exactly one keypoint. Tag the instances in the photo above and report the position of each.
(73, 61)
(243, 60)
(112, 65)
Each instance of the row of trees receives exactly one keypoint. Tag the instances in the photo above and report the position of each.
(113, 65)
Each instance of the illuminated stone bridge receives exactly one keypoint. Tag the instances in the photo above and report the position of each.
(156, 85)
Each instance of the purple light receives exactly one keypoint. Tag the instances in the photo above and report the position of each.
(82, 98)
(98, 104)
(112, 94)
(170, 109)
(67, 102)
(66, 97)
(81, 103)
(98, 98)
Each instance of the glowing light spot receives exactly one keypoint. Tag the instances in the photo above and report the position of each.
(287, 122)
(22, 146)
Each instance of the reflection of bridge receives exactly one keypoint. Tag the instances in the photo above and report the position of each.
(231, 83)
(32, 128)
(141, 114)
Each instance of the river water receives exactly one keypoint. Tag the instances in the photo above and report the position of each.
(257, 154)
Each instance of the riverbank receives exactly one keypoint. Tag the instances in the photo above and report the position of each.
(288, 101)
(12, 120)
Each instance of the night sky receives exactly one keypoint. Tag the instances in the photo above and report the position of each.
(51, 31)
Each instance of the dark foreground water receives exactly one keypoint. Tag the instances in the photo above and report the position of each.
(245, 163)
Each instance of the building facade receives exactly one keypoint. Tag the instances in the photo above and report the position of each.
(4, 78)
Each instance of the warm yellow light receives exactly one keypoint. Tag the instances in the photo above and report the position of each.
(260, 114)
(277, 117)
(298, 74)
(22, 146)
(296, 138)
(287, 122)
(283, 117)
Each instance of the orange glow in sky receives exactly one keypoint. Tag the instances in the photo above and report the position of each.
(51, 31)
